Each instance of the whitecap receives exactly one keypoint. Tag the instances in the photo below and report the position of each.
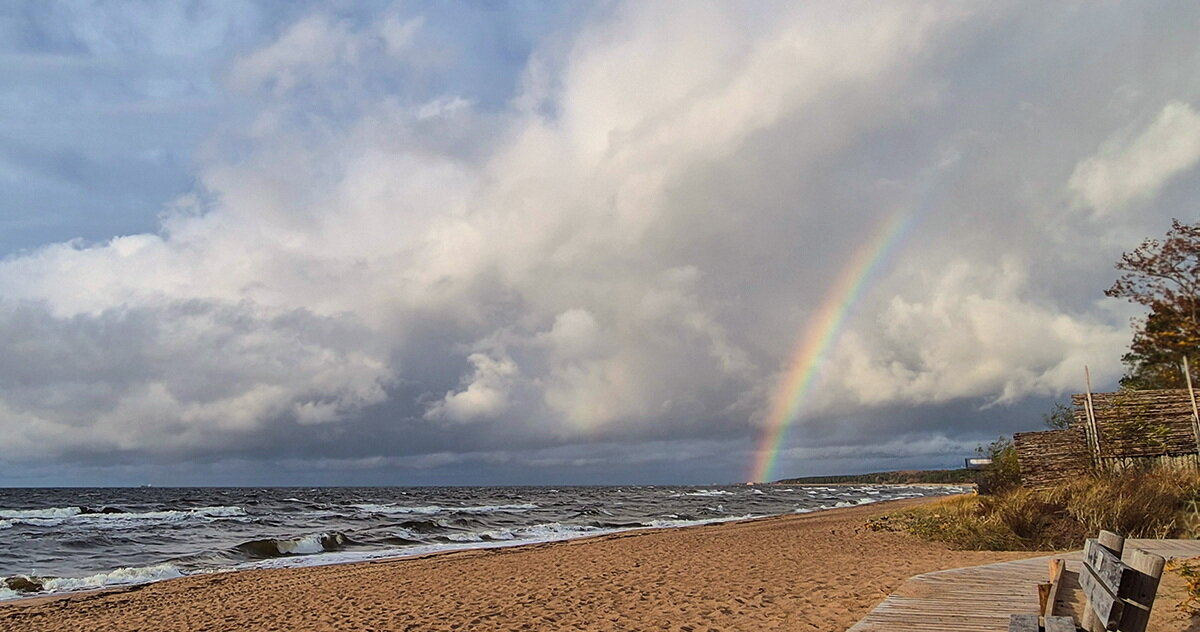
(48, 513)
(436, 509)
(118, 577)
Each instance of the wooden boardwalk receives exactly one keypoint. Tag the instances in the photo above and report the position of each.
(981, 598)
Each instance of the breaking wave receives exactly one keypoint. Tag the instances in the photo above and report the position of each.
(437, 509)
(21, 585)
(704, 492)
(305, 545)
(110, 517)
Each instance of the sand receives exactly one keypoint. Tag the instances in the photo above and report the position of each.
(820, 571)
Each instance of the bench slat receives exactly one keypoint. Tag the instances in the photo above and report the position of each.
(1023, 623)
(1060, 624)
(1101, 602)
(1108, 568)
(1147, 569)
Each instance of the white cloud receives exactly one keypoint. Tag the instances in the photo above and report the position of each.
(485, 394)
(974, 332)
(305, 52)
(629, 251)
(1134, 165)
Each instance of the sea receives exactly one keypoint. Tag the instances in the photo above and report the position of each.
(63, 540)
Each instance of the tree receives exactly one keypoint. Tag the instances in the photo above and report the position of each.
(1059, 418)
(1165, 277)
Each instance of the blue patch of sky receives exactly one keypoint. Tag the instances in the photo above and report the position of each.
(104, 106)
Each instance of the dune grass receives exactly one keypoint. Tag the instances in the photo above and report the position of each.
(1149, 504)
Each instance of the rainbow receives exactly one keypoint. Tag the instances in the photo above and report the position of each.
(822, 331)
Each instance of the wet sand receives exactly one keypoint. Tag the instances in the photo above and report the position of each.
(819, 571)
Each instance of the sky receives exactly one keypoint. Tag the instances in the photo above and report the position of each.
(456, 243)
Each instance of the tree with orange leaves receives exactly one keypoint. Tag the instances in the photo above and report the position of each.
(1164, 276)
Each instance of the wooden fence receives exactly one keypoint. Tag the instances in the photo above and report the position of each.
(1132, 429)
(1050, 457)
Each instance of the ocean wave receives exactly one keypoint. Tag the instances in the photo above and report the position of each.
(47, 513)
(544, 530)
(704, 492)
(400, 535)
(304, 545)
(671, 524)
(436, 509)
(464, 537)
(23, 585)
(108, 517)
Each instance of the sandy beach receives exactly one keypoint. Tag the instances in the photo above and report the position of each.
(819, 571)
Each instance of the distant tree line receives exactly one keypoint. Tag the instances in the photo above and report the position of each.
(912, 477)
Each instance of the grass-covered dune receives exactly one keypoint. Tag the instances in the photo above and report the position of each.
(1147, 504)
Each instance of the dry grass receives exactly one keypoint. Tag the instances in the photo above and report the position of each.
(1152, 504)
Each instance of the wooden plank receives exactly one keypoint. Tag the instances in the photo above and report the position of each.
(1139, 594)
(984, 598)
(1105, 566)
(1057, 566)
(1060, 624)
(1023, 623)
(1104, 606)
(1090, 621)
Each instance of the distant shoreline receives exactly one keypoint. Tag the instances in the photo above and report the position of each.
(896, 477)
(857, 484)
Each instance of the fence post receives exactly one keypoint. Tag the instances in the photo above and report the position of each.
(1187, 374)
(1091, 416)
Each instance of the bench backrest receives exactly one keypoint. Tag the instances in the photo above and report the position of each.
(1119, 593)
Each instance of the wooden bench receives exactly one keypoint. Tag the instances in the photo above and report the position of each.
(1119, 594)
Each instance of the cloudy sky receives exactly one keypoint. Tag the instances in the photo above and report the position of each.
(484, 242)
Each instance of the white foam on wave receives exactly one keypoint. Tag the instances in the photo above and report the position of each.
(543, 531)
(495, 538)
(463, 537)
(45, 514)
(407, 534)
(54, 516)
(118, 577)
(703, 492)
(5, 524)
(306, 545)
(675, 524)
(429, 510)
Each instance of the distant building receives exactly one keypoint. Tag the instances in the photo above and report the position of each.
(978, 463)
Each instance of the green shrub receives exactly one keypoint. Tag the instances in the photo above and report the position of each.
(1004, 473)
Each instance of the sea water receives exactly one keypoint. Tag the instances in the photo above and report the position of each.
(59, 540)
